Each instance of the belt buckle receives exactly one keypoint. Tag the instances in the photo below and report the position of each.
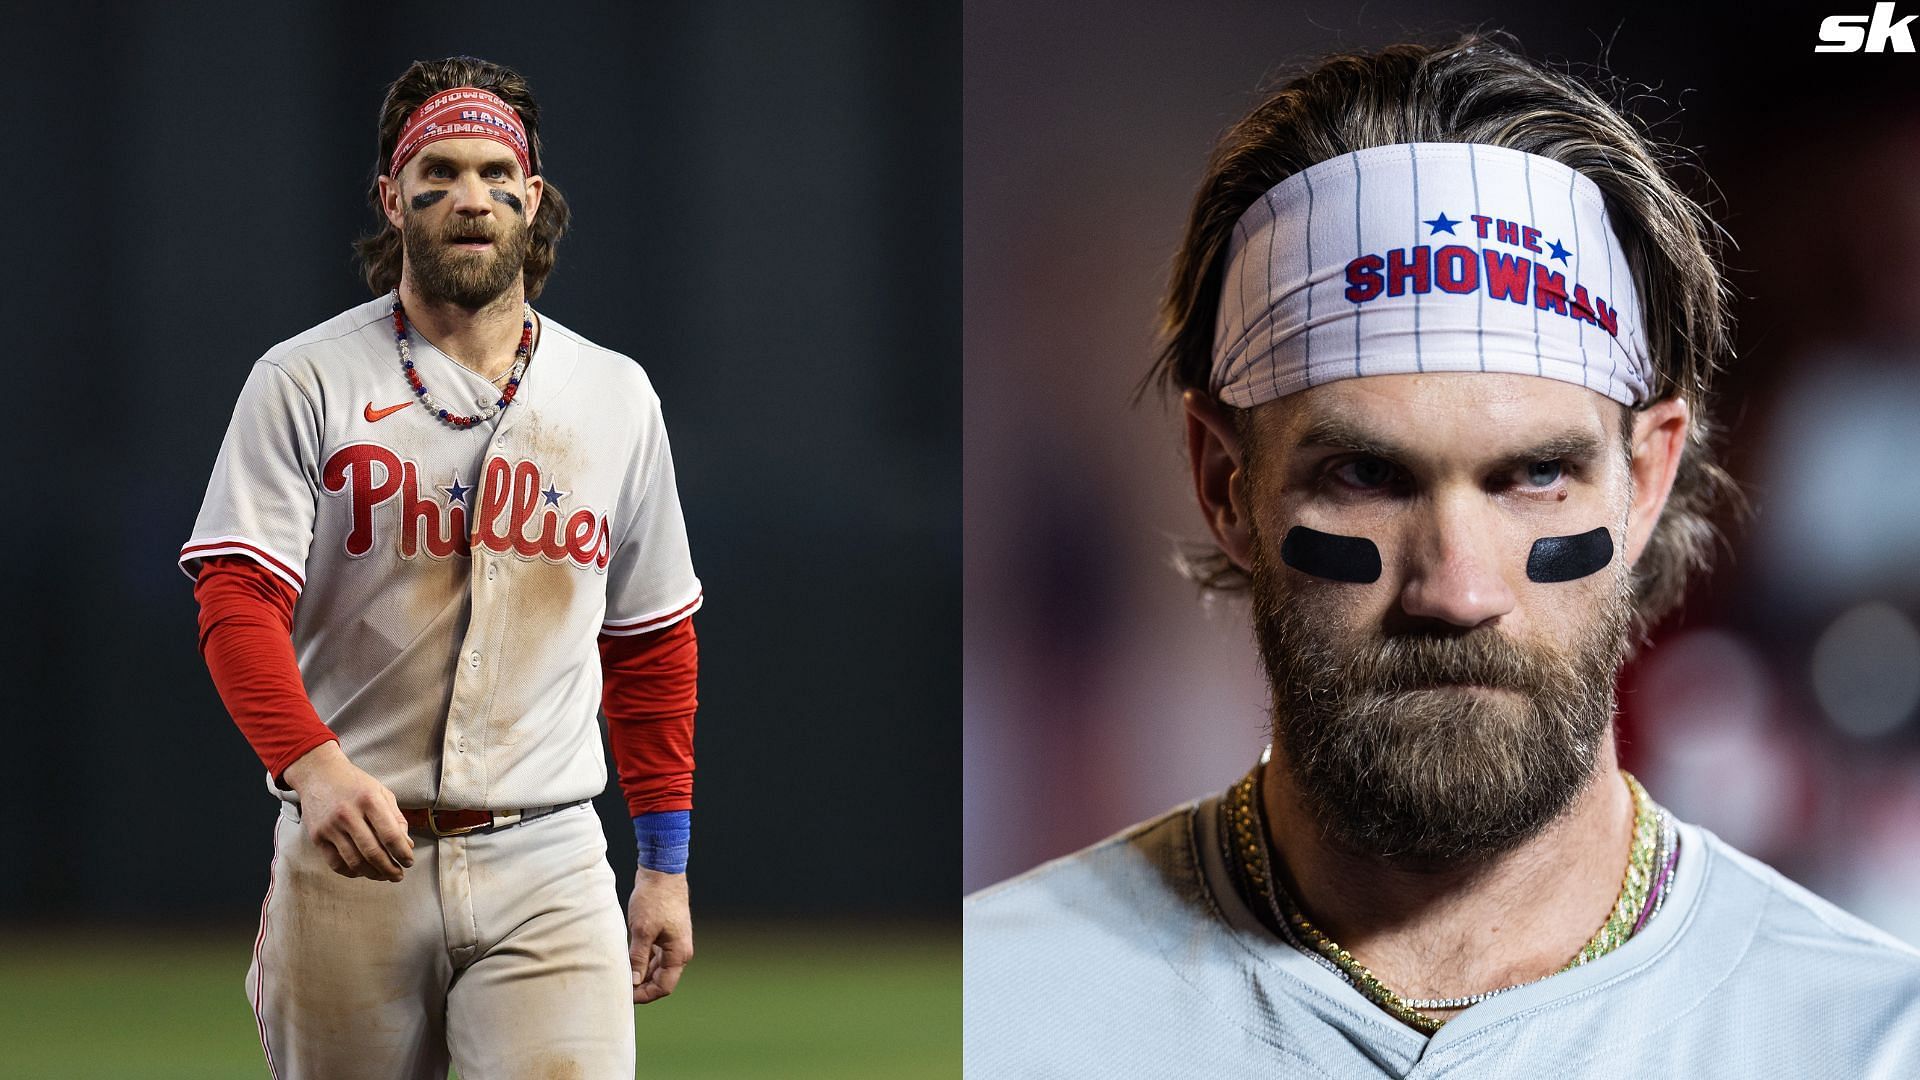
(433, 823)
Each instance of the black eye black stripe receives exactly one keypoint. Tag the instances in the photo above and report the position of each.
(1566, 558)
(1356, 559)
(1338, 558)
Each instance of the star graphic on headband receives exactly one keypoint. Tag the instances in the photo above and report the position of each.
(1441, 224)
(455, 492)
(553, 494)
(1559, 252)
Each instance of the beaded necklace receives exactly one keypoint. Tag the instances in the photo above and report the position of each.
(452, 419)
(1650, 862)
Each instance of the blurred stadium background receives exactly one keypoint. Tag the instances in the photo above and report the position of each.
(1783, 709)
(767, 217)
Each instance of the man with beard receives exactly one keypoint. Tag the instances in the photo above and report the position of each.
(1443, 329)
(414, 613)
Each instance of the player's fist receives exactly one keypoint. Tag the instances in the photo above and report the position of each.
(351, 817)
(660, 933)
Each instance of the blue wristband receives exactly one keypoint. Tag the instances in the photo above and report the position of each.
(662, 837)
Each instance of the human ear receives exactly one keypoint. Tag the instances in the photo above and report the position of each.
(1219, 475)
(1659, 440)
(536, 185)
(390, 202)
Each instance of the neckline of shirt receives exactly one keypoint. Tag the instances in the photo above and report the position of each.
(548, 368)
(475, 380)
(1275, 955)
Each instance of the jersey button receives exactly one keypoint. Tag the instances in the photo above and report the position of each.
(490, 570)
(460, 745)
(483, 401)
(473, 659)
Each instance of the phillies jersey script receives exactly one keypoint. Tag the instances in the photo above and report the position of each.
(452, 583)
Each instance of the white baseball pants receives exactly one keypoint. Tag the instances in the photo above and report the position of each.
(504, 952)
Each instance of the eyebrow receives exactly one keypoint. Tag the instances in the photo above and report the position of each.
(1577, 446)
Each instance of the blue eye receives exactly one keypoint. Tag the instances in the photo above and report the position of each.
(1545, 473)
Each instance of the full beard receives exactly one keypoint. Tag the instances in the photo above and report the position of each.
(1396, 758)
(446, 274)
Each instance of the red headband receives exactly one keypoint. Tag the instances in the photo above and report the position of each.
(462, 112)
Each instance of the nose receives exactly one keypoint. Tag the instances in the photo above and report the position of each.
(470, 195)
(1455, 572)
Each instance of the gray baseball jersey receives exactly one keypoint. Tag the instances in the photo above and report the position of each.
(1137, 958)
(453, 582)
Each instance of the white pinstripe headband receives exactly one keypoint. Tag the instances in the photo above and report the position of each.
(1427, 257)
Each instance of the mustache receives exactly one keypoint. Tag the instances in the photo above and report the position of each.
(1425, 659)
(1408, 663)
(472, 230)
(457, 231)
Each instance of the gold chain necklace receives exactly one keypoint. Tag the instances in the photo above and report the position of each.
(1246, 836)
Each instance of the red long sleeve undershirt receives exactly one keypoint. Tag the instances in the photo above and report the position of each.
(246, 622)
(648, 696)
(246, 625)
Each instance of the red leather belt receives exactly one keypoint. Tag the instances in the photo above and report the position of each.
(444, 821)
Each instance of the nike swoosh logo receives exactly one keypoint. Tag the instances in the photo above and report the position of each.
(374, 415)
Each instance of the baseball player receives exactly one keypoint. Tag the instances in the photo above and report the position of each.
(442, 532)
(1444, 329)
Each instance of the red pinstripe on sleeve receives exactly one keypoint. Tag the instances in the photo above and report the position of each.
(246, 626)
(648, 695)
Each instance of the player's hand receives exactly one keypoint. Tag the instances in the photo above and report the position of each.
(660, 933)
(351, 817)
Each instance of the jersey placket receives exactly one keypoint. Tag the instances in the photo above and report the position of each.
(464, 767)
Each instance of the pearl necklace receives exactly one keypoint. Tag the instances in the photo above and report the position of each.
(1649, 866)
(452, 419)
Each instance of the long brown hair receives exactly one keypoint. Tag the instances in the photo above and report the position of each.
(380, 250)
(1481, 90)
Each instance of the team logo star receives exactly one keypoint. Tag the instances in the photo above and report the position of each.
(1559, 252)
(554, 495)
(455, 492)
(1441, 224)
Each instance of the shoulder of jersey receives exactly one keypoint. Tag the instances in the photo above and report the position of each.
(1807, 919)
(315, 339)
(605, 365)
